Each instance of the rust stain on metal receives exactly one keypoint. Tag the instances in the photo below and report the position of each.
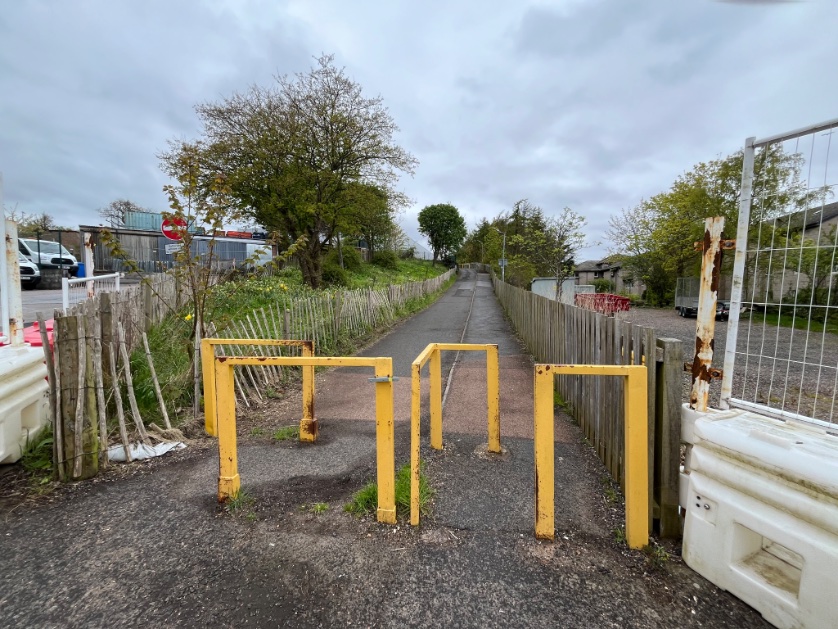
(309, 428)
(706, 317)
(309, 409)
(221, 359)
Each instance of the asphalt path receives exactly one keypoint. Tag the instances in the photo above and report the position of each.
(149, 546)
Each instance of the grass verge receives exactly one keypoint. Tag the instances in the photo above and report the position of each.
(171, 343)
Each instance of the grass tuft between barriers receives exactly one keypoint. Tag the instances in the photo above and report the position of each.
(365, 500)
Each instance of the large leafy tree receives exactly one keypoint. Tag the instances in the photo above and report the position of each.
(536, 245)
(657, 235)
(290, 152)
(551, 249)
(369, 212)
(444, 228)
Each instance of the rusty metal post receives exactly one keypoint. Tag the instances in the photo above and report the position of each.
(308, 423)
(12, 295)
(705, 326)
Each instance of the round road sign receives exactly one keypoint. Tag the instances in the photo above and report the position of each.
(172, 228)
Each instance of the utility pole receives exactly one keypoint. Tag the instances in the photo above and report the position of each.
(502, 256)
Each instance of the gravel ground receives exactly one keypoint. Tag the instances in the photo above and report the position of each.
(783, 368)
(147, 544)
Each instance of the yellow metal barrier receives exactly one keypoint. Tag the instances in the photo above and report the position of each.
(432, 353)
(308, 423)
(218, 385)
(636, 447)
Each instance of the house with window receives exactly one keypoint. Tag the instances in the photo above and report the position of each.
(611, 269)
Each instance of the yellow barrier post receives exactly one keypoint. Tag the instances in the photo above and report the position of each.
(637, 459)
(635, 445)
(208, 369)
(435, 376)
(385, 441)
(493, 397)
(228, 468)
(544, 444)
(308, 423)
(415, 439)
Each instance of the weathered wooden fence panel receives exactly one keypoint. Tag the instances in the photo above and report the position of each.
(564, 334)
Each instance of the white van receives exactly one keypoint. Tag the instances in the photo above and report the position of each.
(30, 275)
(48, 254)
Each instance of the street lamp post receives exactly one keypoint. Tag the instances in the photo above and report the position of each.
(502, 256)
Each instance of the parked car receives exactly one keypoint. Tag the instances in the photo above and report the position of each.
(48, 254)
(30, 274)
(722, 310)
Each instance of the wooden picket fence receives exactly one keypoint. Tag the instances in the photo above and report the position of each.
(558, 333)
(90, 364)
(324, 318)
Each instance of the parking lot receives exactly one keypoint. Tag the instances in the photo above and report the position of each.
(44, 301)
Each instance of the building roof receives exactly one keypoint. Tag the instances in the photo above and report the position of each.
(590, 265)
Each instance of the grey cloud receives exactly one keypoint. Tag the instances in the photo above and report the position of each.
(591, 104)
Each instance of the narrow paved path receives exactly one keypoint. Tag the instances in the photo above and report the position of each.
(150, 546)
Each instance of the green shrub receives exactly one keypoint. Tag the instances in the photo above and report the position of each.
(386, 260)
(333, 275)
(602, 285)
(351, 258)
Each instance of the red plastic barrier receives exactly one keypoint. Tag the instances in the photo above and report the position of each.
(32, 334)
(604, 303)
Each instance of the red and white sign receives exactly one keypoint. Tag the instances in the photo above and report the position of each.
(172, 228)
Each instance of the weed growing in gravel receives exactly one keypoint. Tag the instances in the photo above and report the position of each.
(239, 503)
(257, 432)
(403, 490)
(37, 455)
(319, 507)
(560, 402)
(656, 556)
(608, 490)
(287, 433)
(366, 499)
(272, 393)
(620, 536)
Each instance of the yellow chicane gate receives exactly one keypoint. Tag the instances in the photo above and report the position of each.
(220, 410)
(308, 423)
(636, 447)
(432, 353)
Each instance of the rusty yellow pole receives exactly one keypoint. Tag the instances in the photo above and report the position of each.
(308, 424)
(493, 397)
(208, 367)
(637, 459)
(435, 377)
(228, 469)
(415, 437)
(543, 441)
(385, 441)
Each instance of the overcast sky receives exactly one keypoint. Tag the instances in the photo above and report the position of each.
(581, 103)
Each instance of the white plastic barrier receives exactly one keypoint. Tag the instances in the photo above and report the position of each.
(24, 401)
(761, 502)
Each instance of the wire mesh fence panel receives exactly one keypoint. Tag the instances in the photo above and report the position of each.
(781, 353)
